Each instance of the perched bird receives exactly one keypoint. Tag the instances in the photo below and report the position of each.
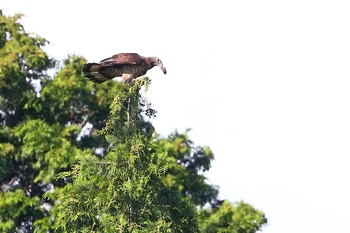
(129, 66)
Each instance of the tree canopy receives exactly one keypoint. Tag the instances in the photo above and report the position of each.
(76, 156)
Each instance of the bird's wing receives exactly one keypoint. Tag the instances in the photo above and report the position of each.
(124, 58)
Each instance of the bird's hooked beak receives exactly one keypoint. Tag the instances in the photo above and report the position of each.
(160, 65)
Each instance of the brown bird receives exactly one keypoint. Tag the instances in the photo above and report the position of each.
(129, 66)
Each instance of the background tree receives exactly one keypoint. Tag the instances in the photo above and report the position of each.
(50, 124)
(186, 170)
(40, 124)
(237, 218)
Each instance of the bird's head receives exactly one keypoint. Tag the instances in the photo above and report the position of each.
(157, 62)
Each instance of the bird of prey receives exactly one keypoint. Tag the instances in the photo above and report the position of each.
(129, 66)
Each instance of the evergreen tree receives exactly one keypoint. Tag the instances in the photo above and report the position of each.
(124, 191)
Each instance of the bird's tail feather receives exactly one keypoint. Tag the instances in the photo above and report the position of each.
(91, 72)
(91, 67)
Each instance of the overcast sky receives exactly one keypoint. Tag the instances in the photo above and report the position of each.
(265, 84)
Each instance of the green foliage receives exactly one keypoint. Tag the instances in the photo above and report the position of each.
(22, 61)
(13, 207)
(239, 218)
(187, 168)
(47, 148)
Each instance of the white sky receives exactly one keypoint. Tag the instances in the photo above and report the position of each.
(265, 84)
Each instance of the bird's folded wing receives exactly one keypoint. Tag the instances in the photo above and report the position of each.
(124, 58)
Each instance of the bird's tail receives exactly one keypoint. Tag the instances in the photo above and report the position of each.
(91, 72)
(91, 67)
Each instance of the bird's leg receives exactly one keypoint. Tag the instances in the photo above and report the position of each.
(127, 78)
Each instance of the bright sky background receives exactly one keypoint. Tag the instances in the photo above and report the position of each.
(265, 84)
